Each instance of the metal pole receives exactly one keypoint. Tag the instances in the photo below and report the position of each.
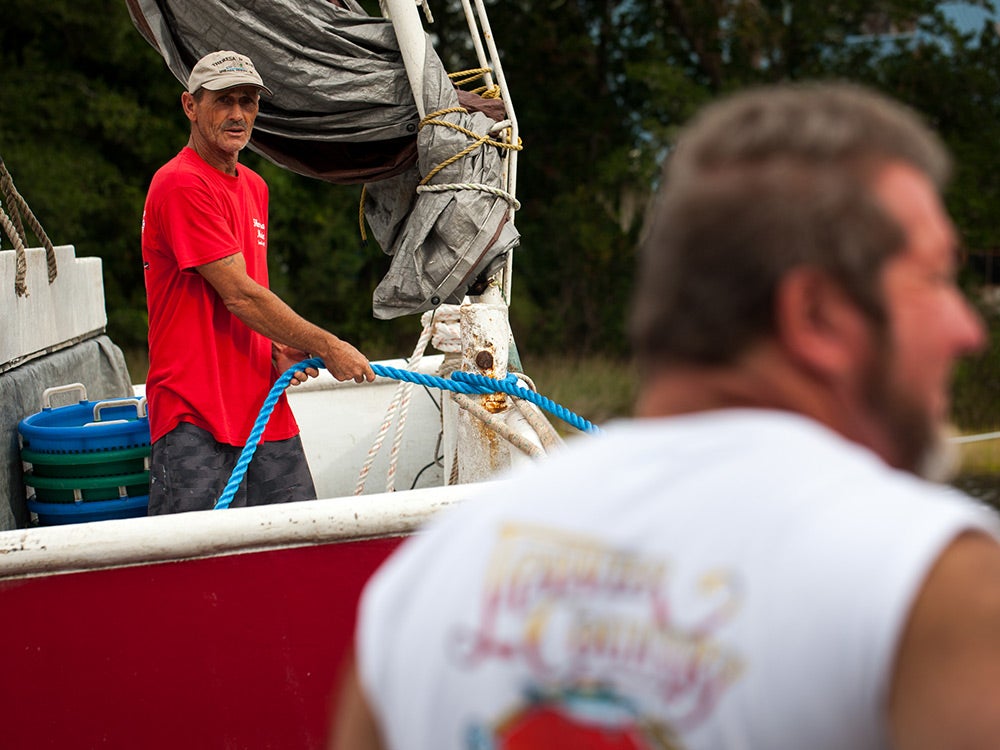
(412, 44)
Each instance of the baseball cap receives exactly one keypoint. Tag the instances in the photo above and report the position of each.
(222, 70)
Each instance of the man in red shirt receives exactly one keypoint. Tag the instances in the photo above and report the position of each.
(218, 337)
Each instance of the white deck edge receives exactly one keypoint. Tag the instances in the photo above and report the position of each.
(139, 541)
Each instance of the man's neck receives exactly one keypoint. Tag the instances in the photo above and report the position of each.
(761, 379)
(690, 389)
(221, 160)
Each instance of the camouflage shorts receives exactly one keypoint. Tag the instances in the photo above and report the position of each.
(188, 470)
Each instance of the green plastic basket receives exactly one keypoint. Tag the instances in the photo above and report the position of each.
(83, 489)
(102, 464)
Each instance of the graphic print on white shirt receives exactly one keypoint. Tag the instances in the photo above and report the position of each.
(595, 630)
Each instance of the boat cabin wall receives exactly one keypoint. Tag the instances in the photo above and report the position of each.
(340, 423)
(53, 335)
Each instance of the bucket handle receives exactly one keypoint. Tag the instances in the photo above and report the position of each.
(140, 410)
(68, 388)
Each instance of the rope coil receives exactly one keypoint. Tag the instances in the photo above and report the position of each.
(459, 382)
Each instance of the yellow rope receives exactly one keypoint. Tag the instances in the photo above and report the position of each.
(472, 74)
(438, 113)
(462, 77)
(478, 140)
(486, 92)
(448, 162)
(361, 213)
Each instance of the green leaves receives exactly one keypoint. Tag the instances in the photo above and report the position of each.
(89, 111)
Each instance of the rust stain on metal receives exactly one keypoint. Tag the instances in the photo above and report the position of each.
(497, 455)
(484, 360)
(494, 403)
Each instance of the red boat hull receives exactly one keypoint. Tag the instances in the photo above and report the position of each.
(238, 651)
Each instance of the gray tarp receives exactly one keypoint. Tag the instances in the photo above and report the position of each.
(343, 111)
(446, 239)
(336, 73)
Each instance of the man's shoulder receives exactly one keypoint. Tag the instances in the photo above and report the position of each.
(180, 170)
(249, 173)
(946, 685)
(252, 178)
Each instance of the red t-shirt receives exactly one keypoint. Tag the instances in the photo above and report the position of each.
(206, 366)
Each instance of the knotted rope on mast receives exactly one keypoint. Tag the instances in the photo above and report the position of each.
(477, 140)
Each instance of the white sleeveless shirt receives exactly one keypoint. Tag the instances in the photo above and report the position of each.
(733, 579)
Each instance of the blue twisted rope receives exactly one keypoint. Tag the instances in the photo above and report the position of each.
(459, 382)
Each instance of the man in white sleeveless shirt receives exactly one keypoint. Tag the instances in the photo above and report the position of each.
(754, 562)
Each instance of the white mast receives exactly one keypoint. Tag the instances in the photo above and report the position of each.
(412, 43)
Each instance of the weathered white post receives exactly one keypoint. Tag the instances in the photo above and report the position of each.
(472, 450)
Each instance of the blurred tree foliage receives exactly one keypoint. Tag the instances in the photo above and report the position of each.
(89, 112)
(85, 117)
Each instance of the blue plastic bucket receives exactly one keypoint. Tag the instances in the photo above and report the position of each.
(111, 424)
(69, 481)
(54, 514)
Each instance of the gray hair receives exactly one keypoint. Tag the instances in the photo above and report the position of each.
(759, 183)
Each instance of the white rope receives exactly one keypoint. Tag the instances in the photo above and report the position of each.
(404, 408)
(406, 390)
(400, 402)
(496, 424)
(446, 333)
(546, 433)
(975, 438)
(441, 327)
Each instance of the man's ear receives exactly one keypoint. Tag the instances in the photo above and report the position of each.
(817, 323)
(188, 104)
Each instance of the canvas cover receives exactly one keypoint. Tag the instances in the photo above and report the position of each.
(343, 111)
